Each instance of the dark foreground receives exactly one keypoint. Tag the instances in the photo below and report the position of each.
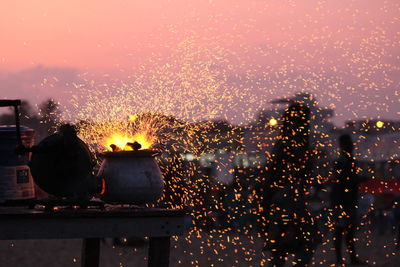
(193, 250)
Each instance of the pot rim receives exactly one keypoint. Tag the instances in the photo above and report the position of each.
(130, 154)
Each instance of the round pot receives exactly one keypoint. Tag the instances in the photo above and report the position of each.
(62, 166)
(130, 177)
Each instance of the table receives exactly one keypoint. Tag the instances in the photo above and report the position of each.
(93, 224)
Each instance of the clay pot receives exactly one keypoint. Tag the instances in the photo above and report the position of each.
(130, 177)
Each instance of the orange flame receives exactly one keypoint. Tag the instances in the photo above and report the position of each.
(143, 139)
(121, 141)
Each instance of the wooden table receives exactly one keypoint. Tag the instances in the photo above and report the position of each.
(93, 224)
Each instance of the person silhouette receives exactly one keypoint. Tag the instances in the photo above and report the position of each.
(288, 226)
(344, 196)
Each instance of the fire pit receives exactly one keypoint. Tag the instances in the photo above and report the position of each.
(130, 177)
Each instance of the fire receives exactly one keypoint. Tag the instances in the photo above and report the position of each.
(121, 141)
(118, 140)
(143, 139)
(132, 118)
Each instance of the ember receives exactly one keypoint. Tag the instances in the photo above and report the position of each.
(134, 146)
(118, 142)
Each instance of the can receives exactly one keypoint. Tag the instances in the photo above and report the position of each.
(16, 181)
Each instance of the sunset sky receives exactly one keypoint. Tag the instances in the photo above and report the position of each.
(345, 52)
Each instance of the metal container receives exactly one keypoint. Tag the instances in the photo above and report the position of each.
(62, 165)
(130, 177)
(15, 177)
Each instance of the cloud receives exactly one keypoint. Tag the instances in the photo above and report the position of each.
(38, 83)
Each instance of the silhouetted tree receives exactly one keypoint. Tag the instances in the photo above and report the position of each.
(43, 120)
(26, 113)
(49, 112)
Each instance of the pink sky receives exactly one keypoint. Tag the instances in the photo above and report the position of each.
(347, 51)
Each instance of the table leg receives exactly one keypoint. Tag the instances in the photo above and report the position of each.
(90, 252)
(159, 251)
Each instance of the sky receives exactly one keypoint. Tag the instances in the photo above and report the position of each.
(345, 52)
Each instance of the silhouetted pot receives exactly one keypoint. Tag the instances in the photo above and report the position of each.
(130, 177)
(62, 166)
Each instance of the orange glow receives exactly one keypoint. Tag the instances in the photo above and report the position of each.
(273, 122)
(103, 186)
(143, 139)
(132, 118)
(121, 141)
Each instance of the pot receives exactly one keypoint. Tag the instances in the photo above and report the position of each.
(130, 177)
(62, 166)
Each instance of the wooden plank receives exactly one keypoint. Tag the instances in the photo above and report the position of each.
(159, 248)
(87, 213)
(54, 228)
(90, 252)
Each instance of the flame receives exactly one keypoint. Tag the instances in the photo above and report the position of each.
(145, 140)
(121, 141)
(132, 118)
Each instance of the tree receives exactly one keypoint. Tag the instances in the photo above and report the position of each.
(49, 112)
(26, 114)
(44, 124)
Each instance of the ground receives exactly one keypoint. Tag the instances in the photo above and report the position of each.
(231, 249)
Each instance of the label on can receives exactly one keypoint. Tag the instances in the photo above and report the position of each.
(16, 183)
(23, 176)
